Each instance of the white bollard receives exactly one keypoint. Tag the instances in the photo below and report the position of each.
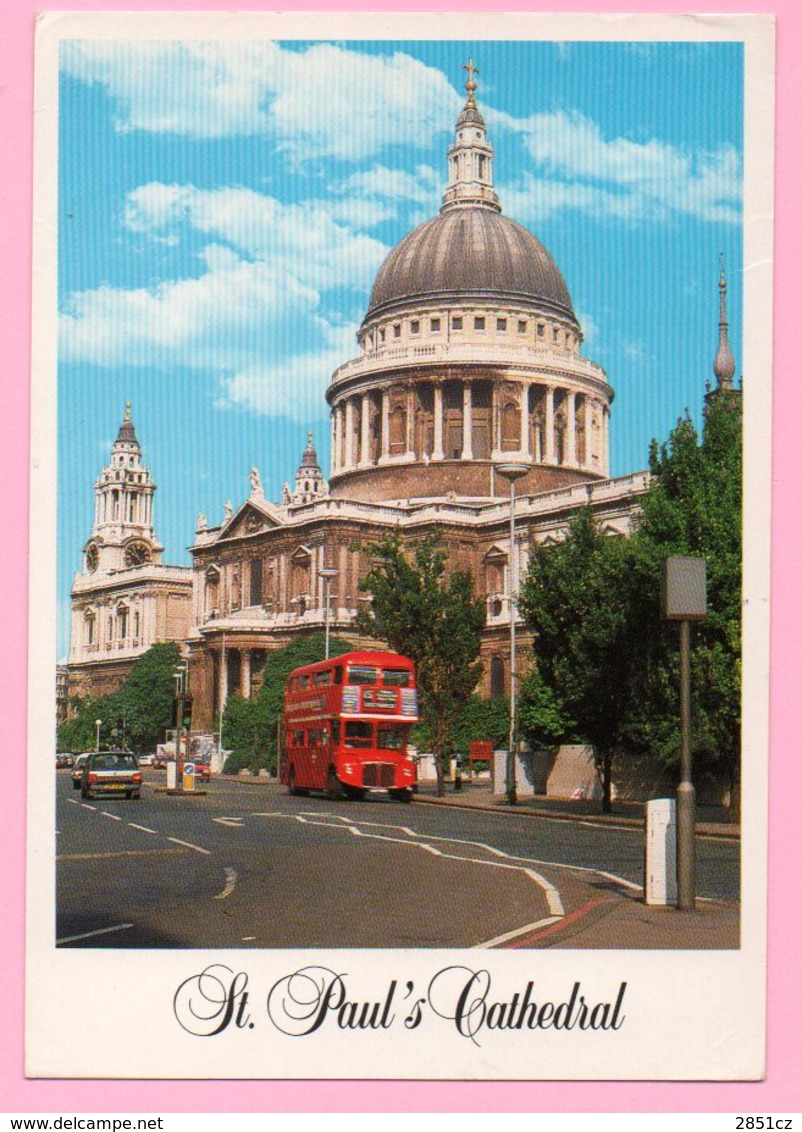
(661, 851)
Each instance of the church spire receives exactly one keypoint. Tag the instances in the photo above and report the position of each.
(724, 363)
(470, 157)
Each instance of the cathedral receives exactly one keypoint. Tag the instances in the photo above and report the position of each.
(469, 359)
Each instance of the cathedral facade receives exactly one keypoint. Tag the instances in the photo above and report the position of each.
(469, 358)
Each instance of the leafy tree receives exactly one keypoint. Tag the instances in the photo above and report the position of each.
(139, 712)
(482, 719)
(694, 507)
(541, 715)
(431, 616)
(574, 598)
(250, 727)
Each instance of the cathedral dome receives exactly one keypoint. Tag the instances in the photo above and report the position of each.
(470, 252)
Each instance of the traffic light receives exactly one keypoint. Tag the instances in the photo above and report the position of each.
(186, 718)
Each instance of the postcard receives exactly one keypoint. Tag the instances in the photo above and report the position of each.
(401, 602)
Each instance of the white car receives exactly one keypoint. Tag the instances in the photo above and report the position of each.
(147, 760)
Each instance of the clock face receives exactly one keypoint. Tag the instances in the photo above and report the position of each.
(136, 554)
(91, 558)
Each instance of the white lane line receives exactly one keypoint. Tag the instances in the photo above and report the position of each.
(518, 931)
(236, 822)
(88, 935)
(144, 828)
(73, 801)
(189, 845)
(114, 817)
(248, 938)
(552, 895)
(86, 806)
(231, 880)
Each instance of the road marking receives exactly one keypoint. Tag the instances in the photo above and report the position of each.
(231, 880)
(248, 938)
(500, 939)
(144, 828)
(73, 801)
(575, 915)
(552, 895)
(86, 806)
(115, 853)
(114, 817)
(88, 935)
(189, 845)
(236, 822)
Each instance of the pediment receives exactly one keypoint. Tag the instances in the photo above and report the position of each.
(252, 518)
(495, 553)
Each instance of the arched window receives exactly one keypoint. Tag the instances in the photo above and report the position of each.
(136, 625)
(398, 429)
(510, 426)
(256, 582)
(89, 628)
(497, 678)
(122, 622)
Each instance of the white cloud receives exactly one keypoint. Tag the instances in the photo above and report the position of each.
(323, 100)
(255, 318)
(578, 168)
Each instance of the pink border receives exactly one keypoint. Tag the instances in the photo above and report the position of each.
(782, 1089)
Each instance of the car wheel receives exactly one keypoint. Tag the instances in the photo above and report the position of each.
(401, 795)
(334, 789)
(292, 788)
(354, 793)
(77, 785)
(136, 796)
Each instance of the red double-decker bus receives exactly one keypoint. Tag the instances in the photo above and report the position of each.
(346, 726)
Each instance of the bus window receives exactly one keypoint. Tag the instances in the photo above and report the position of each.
(338, 674)
(362, 674)
(396, 678)
(297, 738)
(303, 682)
(358, 734)
(322, 678)
(335, 730)
(391, 738)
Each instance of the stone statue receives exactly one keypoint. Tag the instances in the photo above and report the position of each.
(200, 524)
(228, 511)
(256, 482)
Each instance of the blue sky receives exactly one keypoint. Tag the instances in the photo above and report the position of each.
(224, 207)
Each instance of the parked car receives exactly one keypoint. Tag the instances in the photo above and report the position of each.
(64, 758)
(111, 772)
(78, 769)
(147, 760)
(203, 769)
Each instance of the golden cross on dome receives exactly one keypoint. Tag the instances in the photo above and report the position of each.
(470, 85)
(128, 410)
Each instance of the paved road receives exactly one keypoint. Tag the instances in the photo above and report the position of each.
(249, 866)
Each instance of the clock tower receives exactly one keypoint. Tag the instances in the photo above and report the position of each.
(124, 599)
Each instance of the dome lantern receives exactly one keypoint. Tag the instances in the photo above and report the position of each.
(470, 157)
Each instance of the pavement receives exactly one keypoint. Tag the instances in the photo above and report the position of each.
(618, 914)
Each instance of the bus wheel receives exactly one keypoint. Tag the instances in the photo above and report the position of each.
(333, 788)
(401, 795)
(354, 793)
(292, 788)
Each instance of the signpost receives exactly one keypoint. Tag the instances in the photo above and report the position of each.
(683, 598)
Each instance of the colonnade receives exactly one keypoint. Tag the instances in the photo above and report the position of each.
(544, 423)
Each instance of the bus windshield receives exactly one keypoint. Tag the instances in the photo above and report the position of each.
(362, 674)
(396, 677)
(358, 734)
(391, 738)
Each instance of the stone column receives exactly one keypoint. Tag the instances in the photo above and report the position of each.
(364, 450)
(524, 419)
(335, 430)
(570, 409)
(438, 453)
(349, 435)
(410, 421)
(467, 421)
(588, 431)
(605, 439)
(385, 447)
(548, 456)
(245, 672)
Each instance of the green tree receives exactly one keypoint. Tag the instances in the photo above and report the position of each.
(482, 719)
(574, 597)
(694, 507)
(139, 712)
(430, 615)
(250, 727)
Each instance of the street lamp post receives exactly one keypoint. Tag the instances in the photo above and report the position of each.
(327, 573)
(511, 473)
(98, 724)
